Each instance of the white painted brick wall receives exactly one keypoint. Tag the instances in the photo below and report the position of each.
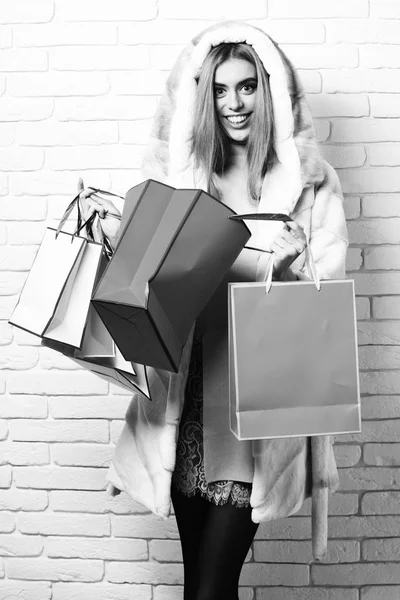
(79, 84)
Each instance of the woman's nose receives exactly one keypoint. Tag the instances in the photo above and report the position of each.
(234, 101)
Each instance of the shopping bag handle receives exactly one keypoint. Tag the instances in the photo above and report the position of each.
(108, 249)
(99, 191)
(310, 266)
(105, 242)
(75, 202)
(90, 221)
(309, 260)
(67, 213)
(261, 217)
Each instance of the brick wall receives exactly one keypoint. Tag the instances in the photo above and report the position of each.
(79, 82)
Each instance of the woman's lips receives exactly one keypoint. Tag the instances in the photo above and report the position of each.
(237, 121)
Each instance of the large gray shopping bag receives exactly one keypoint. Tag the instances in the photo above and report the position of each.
(293, 363)
(174, 248)
(55, 299)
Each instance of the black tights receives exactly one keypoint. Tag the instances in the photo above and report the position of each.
(215, 541)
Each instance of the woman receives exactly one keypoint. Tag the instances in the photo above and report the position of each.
(233, 121)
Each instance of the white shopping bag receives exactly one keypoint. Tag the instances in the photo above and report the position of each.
(96, 340)
(69, 321)
(127, 375)
(114, 369)
(55, 299)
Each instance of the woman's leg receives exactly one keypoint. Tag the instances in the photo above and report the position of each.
(190, 513)
(227, 537)
(215, 541)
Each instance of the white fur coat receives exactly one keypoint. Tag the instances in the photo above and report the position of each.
(300, 184)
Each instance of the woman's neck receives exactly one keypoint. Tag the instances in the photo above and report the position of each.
(232, 184)
(238, 155)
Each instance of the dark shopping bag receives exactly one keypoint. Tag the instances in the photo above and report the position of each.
(174, 248)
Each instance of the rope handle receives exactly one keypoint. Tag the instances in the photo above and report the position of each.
(68, 211)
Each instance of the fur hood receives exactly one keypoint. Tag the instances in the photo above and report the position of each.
(299, 162)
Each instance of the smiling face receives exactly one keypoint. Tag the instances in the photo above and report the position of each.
(235, 89)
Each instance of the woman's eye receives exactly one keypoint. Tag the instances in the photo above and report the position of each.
(219, 92)
(248, 89)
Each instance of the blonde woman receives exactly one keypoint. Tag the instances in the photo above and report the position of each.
(234, 122)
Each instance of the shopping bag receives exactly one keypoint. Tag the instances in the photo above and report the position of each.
(55, 299)
(97, 341)
(98, 352)
(112, 368)
(293, 364)
(100, 355)
(117, 370)
(173, 250)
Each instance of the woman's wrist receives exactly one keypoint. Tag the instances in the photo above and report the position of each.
(287, 275)
(279, 271)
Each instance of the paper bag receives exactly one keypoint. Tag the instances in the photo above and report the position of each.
(117, 370)
(113, 368)
(55, 299)
(174, 248)
(293, 364)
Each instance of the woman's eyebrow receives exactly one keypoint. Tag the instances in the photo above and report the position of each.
(247, 80)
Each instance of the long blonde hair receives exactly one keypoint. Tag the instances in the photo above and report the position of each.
(210, 143)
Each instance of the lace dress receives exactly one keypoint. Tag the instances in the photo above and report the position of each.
(189, 475)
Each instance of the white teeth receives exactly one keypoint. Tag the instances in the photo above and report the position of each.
(237, 119)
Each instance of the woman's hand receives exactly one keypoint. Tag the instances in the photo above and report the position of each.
(287, 246)
(109, 214)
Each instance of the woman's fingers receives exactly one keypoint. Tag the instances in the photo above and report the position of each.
(289, 238)
(287, 246)
(278, 243)
(106, 205)
(90, 202)
(283, 249)
(89, 211)
(89, 207)
(98, 207)
(297, 230)
(103, 204)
